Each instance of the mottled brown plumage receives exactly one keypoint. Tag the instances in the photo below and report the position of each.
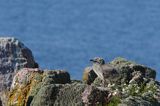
(103, 71)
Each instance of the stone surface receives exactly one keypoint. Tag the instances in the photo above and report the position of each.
(56, 77)
(14, 55)
(37, 85)
(59, 95)
(136, 101)
(132, 71)
(23, 77)
(46, 96)
(93, 96)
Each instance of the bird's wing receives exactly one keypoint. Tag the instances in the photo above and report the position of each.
(107, 67)
(108, 70)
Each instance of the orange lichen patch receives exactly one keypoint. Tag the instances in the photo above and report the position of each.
(27, 84)
(19, 94)
(24, 94)
(24, 76)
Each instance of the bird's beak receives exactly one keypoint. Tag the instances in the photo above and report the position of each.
(92, 60)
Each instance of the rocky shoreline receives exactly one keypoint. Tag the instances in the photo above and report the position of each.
(24, 84)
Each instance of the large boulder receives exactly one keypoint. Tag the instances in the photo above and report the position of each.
(132, 72)
(14, 55)
(93, 96)
(24, 77)
(59, 95)
(55, 77)
(34, 86)
(46, 96)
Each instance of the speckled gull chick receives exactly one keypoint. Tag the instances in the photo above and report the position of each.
(103, 71)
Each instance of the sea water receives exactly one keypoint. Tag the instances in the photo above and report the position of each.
(65, 34)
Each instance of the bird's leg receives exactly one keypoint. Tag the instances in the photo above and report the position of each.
(104, 82)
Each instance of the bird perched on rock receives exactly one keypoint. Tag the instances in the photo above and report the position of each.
(104, 71)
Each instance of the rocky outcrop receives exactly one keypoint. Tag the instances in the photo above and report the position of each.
(93, 96)
(135, 81)
(34, 86)
(60, 95)
(22, 83)
(13, 56)
(131, 71)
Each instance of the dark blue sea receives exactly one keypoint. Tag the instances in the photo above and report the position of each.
(65, 34)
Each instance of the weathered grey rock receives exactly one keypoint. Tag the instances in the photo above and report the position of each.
(39, 87)
(24, 77)
(46, 95)
(130, 71)
(136, 77)
(13, 56)
(59, 95)
(93, 96)
(137, 101)
(157, 95)
(70, 95)
(56, 77)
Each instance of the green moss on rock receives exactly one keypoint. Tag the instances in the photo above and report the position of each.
(114, 101)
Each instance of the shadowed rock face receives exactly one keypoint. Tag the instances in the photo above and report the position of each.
(0, 102)
(13, 56)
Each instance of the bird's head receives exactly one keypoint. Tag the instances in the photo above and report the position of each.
(98, 60)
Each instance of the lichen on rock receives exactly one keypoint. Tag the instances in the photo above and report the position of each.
(134, 85)
(134, 80)
(14, 55)
(35, 87)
